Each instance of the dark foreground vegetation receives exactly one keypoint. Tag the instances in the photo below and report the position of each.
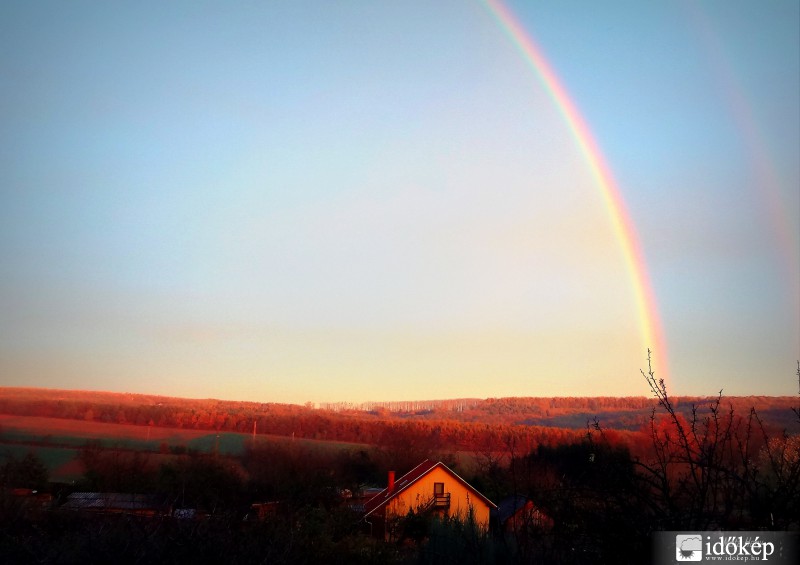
(599, 495)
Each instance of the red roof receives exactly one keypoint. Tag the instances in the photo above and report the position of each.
(382, 498)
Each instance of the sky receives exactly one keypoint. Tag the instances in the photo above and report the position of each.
(358, 200)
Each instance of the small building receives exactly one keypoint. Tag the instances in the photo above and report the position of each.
(518, 513)
(33, 497)
(32, 501)
(260, 511)
(358, 499)
(429, 488)
(117, 503)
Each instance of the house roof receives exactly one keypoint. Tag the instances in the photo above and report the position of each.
(111, 500)
(510, 505)
(382, 498)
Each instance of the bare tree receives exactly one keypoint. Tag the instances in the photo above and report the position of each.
(717, 469)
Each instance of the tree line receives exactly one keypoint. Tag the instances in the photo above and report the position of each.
(715, 467)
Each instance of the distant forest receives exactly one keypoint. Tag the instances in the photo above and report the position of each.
(456, 424)
(599, 476)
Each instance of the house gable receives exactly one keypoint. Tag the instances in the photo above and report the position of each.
(430, 486)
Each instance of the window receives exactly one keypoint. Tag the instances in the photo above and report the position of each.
(441, 499)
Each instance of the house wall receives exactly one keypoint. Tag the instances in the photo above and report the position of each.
(421, 492)
(527, 517)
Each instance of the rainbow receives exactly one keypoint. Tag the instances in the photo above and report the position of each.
(769, 183)
(646, 306)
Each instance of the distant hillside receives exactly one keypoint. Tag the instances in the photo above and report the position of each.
(456, 423)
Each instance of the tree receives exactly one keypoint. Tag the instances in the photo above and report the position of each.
(28, 472)
(718, 469)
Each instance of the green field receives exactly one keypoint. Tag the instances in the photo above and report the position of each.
(61, 462)
(57, 441)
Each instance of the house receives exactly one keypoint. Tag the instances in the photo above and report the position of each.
(430, 487)
(260, 511)
(32, 501)
(518, 514)
(116, 503)
(33, 498)
(358, 499)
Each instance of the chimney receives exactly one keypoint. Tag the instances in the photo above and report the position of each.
(390, 488)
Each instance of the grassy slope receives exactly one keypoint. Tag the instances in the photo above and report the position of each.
(57, 441)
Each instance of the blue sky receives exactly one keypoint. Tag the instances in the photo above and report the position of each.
(293, 201)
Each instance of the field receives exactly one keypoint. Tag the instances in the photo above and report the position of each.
(57, 441)
(56, 424)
